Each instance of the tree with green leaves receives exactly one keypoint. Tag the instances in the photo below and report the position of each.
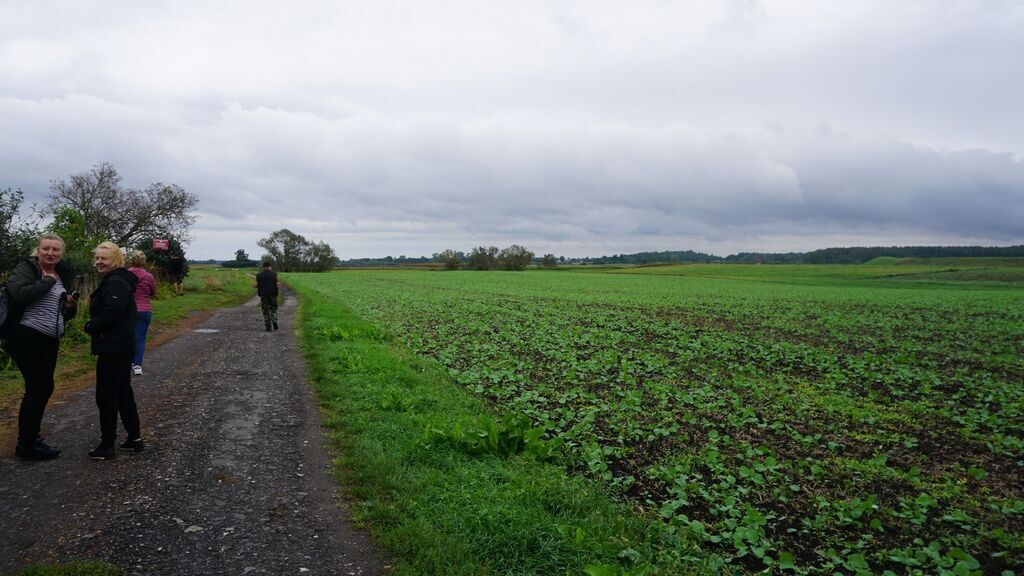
(16, 233)
(320, 257)
(452, 259)
(515, 257)
(78, 244)
(161, 259)
(291, 252)
(285, 249)
(483, 258)
(241, 260)
(549, 261)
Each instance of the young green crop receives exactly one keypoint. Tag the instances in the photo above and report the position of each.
(813, 418)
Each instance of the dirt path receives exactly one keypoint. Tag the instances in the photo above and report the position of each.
(233, 480)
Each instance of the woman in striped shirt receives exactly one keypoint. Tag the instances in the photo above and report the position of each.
(43, 299)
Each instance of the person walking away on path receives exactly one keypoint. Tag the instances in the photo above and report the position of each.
(267, 289)
(144, 291)
(42, 301)
(176, 273)
(112, 327)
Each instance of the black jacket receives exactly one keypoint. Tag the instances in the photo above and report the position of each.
(112, 313)
(27, 284)
(266, 284)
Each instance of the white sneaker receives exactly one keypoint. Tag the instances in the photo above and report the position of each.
(137, 370)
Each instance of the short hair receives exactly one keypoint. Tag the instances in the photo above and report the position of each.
(138, 259)
(266, 264)
(117, 258)
(48, 236)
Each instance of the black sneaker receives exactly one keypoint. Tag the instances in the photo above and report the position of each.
(102, 452)
(133, 445)
(38, 450)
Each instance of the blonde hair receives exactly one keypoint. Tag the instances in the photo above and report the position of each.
(48, 236)
(138, 259)
(116, 257)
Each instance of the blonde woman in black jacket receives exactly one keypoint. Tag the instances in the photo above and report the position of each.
(112, 327)
(40, 289)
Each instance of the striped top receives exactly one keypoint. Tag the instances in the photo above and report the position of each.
(43, 315)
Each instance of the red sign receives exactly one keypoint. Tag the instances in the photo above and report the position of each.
(159, 245)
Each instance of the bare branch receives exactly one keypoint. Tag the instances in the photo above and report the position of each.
(125, 215)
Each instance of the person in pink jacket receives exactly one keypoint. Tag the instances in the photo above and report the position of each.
(144, 291)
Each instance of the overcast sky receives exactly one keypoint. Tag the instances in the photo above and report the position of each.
(581, 128)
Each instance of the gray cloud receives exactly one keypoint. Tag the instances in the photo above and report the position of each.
(580, 129)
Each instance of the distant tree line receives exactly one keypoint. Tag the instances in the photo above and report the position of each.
(861, 255)
(518, 258)
(382, 262)
(855, 255)
(515, 257)
(241, 260)
(687, 256)
(765, 258)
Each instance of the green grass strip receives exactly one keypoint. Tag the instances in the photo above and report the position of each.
(439, 509)
(73, 569)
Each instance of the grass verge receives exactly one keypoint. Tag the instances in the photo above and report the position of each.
(431, 474)
(73, 569)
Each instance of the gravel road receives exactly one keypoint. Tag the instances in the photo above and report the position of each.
(234, 478)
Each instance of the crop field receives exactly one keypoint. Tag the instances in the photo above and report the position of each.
(801, 419)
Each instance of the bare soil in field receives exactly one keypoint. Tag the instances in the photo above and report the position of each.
(234, 478)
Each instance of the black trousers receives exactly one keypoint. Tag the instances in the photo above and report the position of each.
(114, 396)
(35, 354)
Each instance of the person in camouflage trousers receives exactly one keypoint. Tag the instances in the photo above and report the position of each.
(267, 287)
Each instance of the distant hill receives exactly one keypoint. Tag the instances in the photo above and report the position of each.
(862, 255)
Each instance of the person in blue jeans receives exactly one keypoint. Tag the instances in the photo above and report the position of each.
(145, 290)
